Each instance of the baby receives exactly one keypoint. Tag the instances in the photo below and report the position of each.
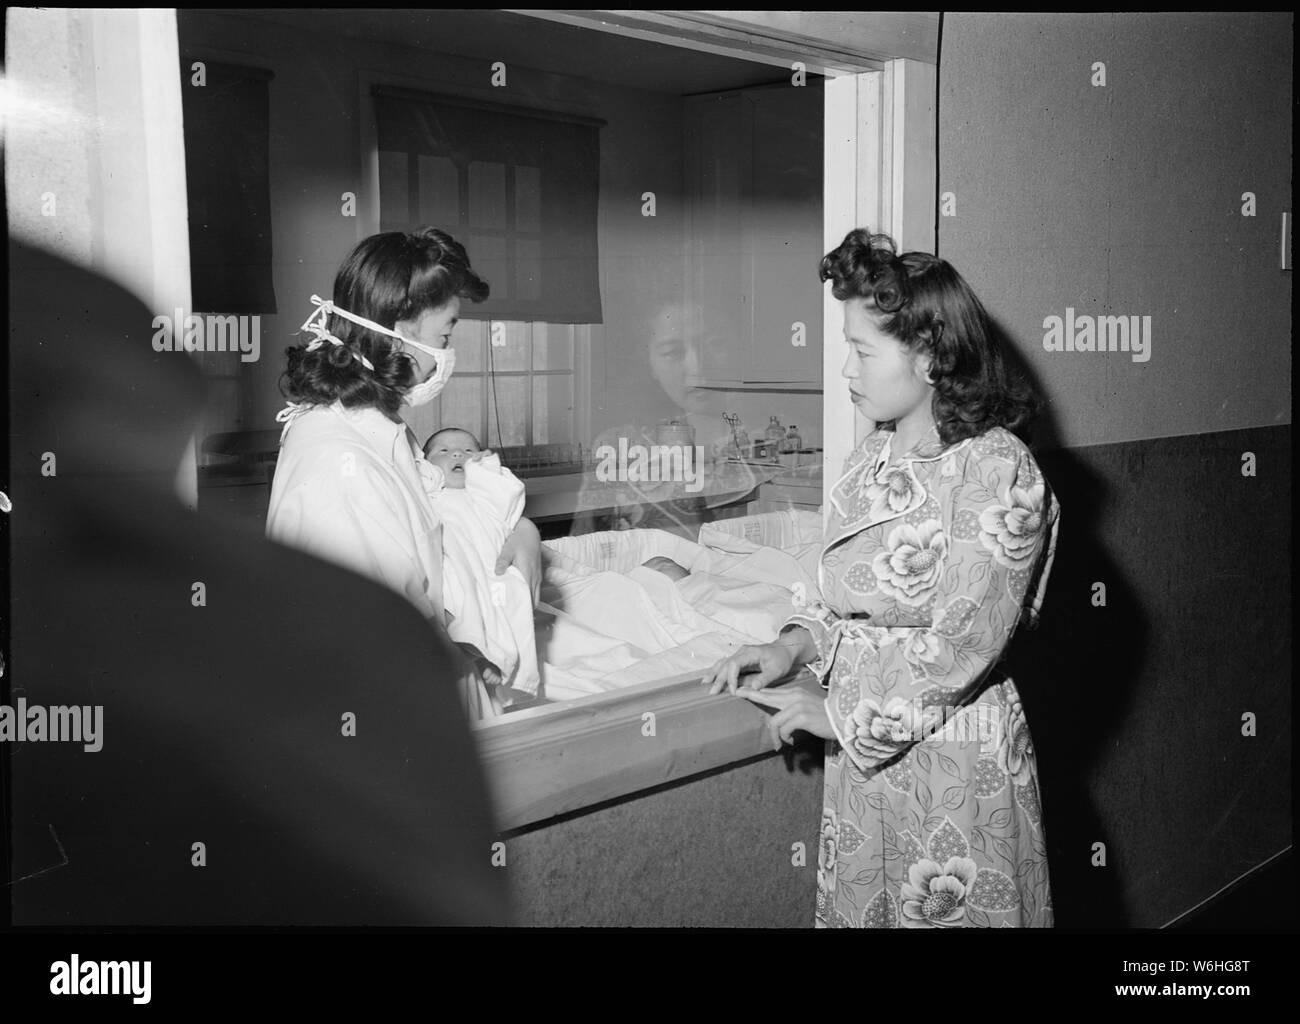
(479, 502)
(668, 567)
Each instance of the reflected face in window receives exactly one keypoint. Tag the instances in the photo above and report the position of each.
(433, 328)
(885, 379)
(449, 450)
(675, 364)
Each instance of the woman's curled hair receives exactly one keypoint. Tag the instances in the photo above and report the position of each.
(923, 302)
(386, 278)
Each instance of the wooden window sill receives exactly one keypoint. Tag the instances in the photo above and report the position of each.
(558, 758)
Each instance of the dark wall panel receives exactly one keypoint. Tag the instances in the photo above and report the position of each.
(1136, 707)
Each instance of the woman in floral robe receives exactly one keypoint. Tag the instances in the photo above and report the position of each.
(940, 533)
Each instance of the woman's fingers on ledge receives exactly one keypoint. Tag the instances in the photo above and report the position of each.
(768, 698)
(717, 677)
(728, 676)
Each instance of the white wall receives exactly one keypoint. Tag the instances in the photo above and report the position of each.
(94, 161)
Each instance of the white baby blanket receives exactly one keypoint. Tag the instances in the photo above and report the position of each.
(494, 613)
(608, 622)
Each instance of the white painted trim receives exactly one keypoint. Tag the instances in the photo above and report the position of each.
(869, 35)
(896, 107)
(140, 217)
(915, 130)
(755, 37)
(841, 177)
(881, 163)
(871, 152)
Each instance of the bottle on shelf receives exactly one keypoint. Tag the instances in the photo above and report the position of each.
(790, 447)
(739, 437)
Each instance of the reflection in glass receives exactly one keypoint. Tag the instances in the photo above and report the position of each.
(669, 470)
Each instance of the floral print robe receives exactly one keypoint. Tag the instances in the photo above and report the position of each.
(931, 813)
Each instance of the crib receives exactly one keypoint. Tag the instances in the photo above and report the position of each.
(571, 777)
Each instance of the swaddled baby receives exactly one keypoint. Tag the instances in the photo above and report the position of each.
(479, 502)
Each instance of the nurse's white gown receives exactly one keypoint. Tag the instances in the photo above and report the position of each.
(348, 488)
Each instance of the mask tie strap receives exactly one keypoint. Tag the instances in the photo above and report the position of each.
(289, 414)
(315, 324)
(363, 322)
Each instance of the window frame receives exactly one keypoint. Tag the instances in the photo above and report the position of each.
(880, 160)
(530, 373)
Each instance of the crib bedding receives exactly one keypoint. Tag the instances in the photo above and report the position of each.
(605, 621)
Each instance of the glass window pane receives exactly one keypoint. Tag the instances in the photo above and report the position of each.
(221, 413)
(512, 393)
(528, 269)
(467, 339)
(487, 195)
(509, 344)
(394, 192)
(553, 409)
(439, 193)
(461, 405)
(487, 254)
(528, 199)
(552, 347)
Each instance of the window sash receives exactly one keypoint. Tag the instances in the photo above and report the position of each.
(485, 428)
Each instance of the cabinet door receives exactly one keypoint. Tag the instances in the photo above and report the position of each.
(783, 234)
(717, 171)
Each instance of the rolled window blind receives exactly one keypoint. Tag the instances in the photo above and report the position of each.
(518, 187)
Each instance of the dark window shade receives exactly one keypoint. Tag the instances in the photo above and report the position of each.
(227, 181)
(518, 188)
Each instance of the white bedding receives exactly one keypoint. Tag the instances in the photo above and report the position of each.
(605, 621)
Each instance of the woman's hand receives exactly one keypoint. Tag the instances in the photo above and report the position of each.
(796, 709)
(770, 661)
(523, 550)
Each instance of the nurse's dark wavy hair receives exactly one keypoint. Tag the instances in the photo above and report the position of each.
(924, 303)
(387, 277)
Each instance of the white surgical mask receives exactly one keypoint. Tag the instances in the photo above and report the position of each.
(427, 390)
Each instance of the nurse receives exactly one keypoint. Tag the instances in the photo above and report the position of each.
(350, 485)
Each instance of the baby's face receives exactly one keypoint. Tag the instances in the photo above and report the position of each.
(449, 451)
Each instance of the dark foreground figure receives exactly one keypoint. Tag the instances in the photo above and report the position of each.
(223, 723)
